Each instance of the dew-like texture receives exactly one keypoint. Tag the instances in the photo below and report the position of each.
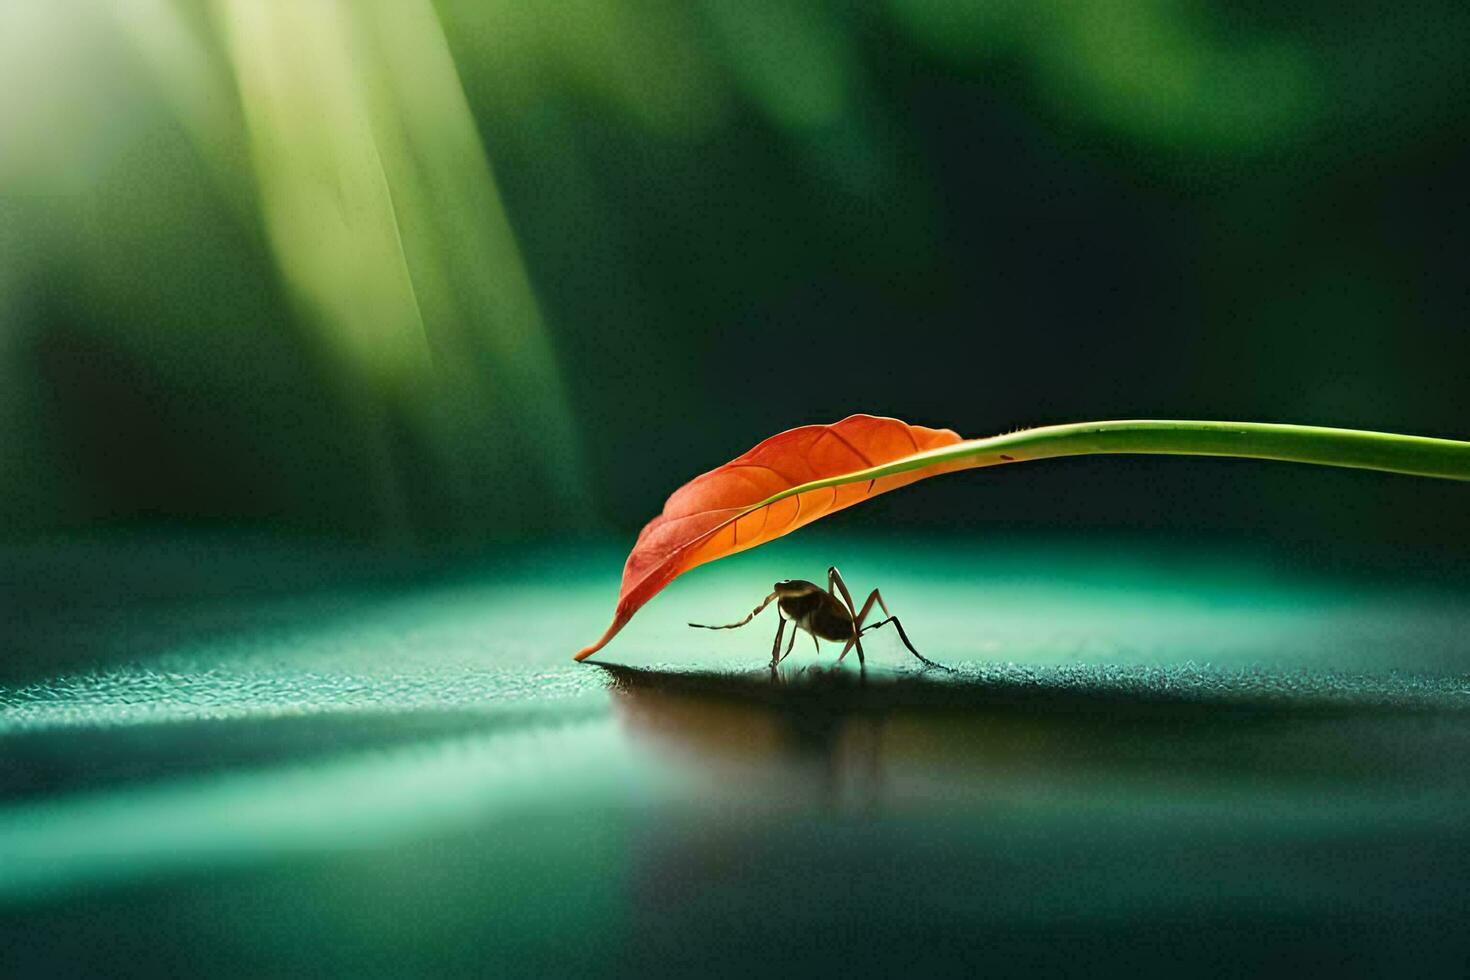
(246, 759)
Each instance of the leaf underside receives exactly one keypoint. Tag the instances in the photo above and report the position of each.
(739, 505)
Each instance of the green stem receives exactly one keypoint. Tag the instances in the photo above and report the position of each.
(1388, 452)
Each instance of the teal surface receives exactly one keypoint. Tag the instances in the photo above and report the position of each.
(246, 758)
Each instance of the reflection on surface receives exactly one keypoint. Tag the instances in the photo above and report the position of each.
(974, 818)
(914, 741)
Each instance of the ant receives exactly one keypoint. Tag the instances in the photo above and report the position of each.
(822, 614)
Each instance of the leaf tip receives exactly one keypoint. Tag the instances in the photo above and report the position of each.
(612, 631)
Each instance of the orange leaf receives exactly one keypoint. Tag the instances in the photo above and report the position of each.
(721, 512)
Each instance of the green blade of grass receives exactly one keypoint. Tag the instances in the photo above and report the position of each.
(1387, 452)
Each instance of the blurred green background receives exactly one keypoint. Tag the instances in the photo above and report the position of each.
(344, 345)
(454, 273)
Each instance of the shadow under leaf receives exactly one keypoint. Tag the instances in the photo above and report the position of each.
(901, 738)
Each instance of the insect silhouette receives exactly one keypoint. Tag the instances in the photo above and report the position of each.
(827, 614)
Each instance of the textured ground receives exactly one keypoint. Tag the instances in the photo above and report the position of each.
(252, 758)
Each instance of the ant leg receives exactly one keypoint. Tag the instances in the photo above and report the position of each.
(834, 578)
(857, 625)
(789, 644)
(753, 613)
(877, 597)
(905, 638)
(854, 642)
(776, 649)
